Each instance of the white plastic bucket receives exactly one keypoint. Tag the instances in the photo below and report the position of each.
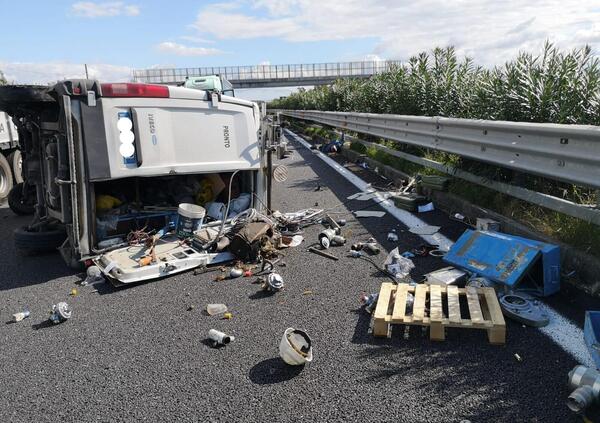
(295, 347)
(190, 219)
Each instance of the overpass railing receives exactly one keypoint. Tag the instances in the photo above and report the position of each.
(268, 72)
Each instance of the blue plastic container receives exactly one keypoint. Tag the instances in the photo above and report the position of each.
(519, 263)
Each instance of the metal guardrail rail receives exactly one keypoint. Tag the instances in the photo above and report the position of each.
(569, 153)
(240, 76)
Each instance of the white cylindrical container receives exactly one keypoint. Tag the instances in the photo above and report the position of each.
(190, 219)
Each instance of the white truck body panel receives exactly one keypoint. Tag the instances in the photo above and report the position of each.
(185, 135)
(8, 131)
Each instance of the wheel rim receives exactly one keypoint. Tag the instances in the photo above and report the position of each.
(3, 180)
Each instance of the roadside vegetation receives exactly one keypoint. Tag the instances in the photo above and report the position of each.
(553, 86)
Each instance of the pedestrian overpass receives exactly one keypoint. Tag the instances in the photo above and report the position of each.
(260, 76)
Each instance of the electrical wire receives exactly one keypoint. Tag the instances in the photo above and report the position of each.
(382, 270)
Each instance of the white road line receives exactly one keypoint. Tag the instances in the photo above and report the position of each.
(560, 330)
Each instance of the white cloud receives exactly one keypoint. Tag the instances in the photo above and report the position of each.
(182, 50)
(196, 40)
(44, 73)
(490, 31)
(88, 9)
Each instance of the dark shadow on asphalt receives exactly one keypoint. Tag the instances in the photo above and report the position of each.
(273, 370)
(259, 295)
(44, 324)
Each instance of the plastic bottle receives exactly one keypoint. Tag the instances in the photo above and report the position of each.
(17, 317)
(213, 309)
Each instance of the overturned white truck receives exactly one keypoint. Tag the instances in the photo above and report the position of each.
(104, 161)
(10, 156)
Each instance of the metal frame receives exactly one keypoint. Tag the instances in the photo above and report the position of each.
(269, 75)
(569, 153)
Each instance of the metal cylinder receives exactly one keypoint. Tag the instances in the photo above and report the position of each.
(580, 399)
(586, 385)
(219, 338)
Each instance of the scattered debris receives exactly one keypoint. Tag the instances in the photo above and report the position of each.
(392, 236)
(480, 282)
(518, 358)
(425, 208)
(364, 213)
(273, 283)
(485, 224)
(434, 182)
(322, 253)
(408, 201)
(328, 237)
(523, 308)
(73, 292)
(94, 274)
(424, 230)
(370, 246)
(17, 317)
(445, 276)
(308, 292)
(438, 253)
(369, 302)
(586, 384)
(61, 312)
(236, 272)
(227, 316)
(218, 338)
(190, 307)
(408, 254)
(458, 216)
(398, 266)
(295, 347)
(213, 309)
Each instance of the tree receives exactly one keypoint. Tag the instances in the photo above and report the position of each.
(2, 79)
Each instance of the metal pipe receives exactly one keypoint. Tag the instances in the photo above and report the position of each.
(586, 384)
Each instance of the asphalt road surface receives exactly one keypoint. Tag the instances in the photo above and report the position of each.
(138, 354)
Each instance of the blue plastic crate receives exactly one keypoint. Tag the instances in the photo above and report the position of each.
(516, 262)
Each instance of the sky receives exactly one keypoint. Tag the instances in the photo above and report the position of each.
(42, 41)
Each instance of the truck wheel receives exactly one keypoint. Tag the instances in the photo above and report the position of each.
(31, 241)
(6, 179)
(16, 162)
(22, 203)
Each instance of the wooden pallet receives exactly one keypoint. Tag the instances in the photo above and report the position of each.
(484, 310)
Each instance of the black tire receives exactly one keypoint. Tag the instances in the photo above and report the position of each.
(16, 162)
(29, 241)
(6, 178)
(20, 205)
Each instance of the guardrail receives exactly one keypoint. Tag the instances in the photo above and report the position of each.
(570, 153)
(236, 74)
